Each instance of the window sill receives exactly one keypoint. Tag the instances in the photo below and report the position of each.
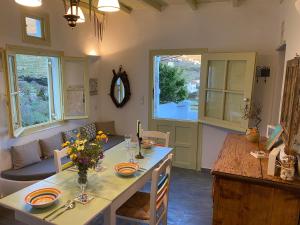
(41, 127)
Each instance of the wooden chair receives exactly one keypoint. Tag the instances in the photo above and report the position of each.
(58, 155)
(150, 208)
(157, 135)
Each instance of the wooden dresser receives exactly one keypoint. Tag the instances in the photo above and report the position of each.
(243, 193)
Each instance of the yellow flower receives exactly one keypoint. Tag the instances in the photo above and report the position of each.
(78, 135)
(73, 157)
(80, 148)
(103, 136)
(69, 151)
(100, 132)
(65, 144)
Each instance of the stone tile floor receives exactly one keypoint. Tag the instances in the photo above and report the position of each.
(190, 200)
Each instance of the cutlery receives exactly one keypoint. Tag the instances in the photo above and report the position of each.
(141, 168)
(54, 211)
(70, 206)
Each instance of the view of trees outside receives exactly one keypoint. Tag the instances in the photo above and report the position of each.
(179, 83)
(32, 72)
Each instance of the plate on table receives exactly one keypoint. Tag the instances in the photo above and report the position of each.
(126, 168)
(43, 198)
(147, 144)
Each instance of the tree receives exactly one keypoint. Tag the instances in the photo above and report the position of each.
(172, 84)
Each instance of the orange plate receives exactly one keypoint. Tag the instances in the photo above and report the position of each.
(126, 168)
(42, 198)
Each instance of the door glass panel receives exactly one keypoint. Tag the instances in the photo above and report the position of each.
(214, 106)
(176, 87)
(216, 73)
(233, 107)
(236, 75)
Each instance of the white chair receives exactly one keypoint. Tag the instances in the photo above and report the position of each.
(157, 135)
(58, 155)
(150, 208)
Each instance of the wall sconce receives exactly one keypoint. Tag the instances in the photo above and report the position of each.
(263, 71)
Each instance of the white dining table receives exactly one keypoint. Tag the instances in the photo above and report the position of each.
(109, 190)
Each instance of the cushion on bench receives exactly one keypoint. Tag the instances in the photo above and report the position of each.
(113, 140)
(37, 171)
(46, 167)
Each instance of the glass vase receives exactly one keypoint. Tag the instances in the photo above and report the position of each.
(82, 182)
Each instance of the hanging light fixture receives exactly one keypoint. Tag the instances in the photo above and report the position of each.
(81, 18)
(74, 13)
(108, 5)
(29, 3)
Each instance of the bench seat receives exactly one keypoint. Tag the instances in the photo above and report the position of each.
(46, 167)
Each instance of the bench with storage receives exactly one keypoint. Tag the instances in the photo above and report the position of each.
(34, 161)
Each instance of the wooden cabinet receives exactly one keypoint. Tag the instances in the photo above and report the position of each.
(243, 193)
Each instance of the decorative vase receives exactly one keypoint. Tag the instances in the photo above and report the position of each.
(252, 134)
(82, 178)
(82, 182)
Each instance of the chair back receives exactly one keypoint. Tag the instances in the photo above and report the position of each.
(58, 155)
(157, 135)
(159, 195)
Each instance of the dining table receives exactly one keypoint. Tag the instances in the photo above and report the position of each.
(108, 189)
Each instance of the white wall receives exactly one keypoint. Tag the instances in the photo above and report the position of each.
(255, 26)
(77, 42)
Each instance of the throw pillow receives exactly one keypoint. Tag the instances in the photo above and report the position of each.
(107, 127)
(71, 135)
(25, 155)
(88, 131)
(48, 145)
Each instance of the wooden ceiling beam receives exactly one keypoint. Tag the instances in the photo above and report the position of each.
(156, 4)
(125, 8)
(193, 3)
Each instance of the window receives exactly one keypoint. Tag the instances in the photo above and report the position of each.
(226, 87)
(34, 88)
(176, 86)
(33, 27)
(37, 98)
(36, 29)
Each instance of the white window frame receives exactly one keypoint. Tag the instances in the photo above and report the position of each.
(45, 28)
(13, 50)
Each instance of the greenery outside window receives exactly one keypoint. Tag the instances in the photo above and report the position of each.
(35, 28)
(36, 80)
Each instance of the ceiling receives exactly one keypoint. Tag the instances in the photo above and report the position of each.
(129, 5)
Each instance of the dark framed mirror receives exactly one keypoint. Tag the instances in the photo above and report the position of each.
(120, 88)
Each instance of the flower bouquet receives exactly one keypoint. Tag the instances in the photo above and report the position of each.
(85, 154)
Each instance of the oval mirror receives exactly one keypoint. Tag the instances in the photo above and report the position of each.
(120, 88)
(119, 91)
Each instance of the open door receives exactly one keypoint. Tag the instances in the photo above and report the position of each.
(192, 87)
(226, 88)
(75, 88)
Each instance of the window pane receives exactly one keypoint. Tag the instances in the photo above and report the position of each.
(33, 76)
(14, 112)
(74, 86)
(216, 73)
(176, 86)
(33, 27)
(233, 107)
(11, 70)
(214, 106)
(56, 88)
(236, 75)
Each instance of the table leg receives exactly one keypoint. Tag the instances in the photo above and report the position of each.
(106, 215)
(113, 219)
